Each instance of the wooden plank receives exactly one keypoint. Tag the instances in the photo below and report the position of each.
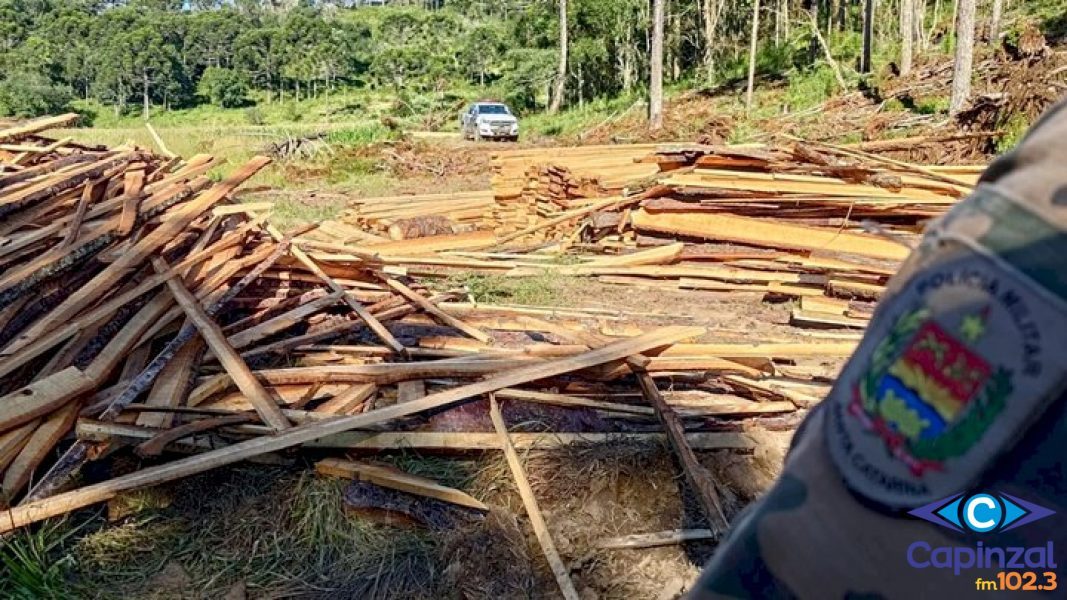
(413, 389)
(12, 442)
(172, 385)
(63, 503)
(41, 442)
(133, 185)
(373, 323)
(393, 478)
(348, 400)
(89, 194)
(117, 270)
(537, 521)
(36, 126)
(283, 321)
(699, 477)
(767, 233)
(42, 397)
(822, 319)
(658, 538)
(371, 441)
(573, 402)
(432, 244)
(127, 338)
(239, 372)
(654, 256)
(823, 304)
(440, 315)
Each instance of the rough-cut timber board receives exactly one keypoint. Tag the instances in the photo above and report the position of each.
(655, 256)
(659, 538)
(66, 502)
(431, 308)
(41, 442)
(698, 476)
(766, 233)
(432, 244)
(393, 478)
(172, 385)
(344, 402)
(231, 361)
(116, 271)
(37, 125)
(42, 397)
(529, 501)
(437, 440)
(822, 319)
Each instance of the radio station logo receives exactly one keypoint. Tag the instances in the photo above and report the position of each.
(982, 512)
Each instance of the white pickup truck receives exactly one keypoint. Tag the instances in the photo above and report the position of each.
(489, 121)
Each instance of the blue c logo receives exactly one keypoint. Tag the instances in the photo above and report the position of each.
(982, 513)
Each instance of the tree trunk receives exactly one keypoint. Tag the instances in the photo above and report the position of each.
(994, 23)
(919, 26)
(655, 86)
(907, 34)
(710, 9)
(933, 21)
(752, 56)
(561, 73)
(676, 43)
(961, 75)
(868, 36)
(144, 93)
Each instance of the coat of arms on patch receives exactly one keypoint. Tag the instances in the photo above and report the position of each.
(927, 393)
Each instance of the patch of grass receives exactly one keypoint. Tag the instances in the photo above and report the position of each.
(932, 105)
(126, 551)
(34, 563)
(811, 87)
(543, 289)
(293, 211)
(577, 119)
(1014, 130)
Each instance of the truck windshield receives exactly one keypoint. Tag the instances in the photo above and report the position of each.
(493, 109)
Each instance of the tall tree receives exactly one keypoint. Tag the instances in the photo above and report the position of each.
(752, 55)
(655, 86)
(907, 35)
(961, 75)
(994, 22)
(561, 73)
(711, 9)
(868, 36)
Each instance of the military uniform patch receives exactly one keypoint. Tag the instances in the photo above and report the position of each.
(954, 367)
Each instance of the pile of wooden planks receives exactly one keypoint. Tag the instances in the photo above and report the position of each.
(825, 224)
(140, 306)
(381, 215)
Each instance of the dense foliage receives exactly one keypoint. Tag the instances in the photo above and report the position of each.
(136, 55)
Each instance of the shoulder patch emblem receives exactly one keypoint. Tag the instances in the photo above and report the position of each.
(954, 369)
(927, 394)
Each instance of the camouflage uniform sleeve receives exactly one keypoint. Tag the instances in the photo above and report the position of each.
(957, 390)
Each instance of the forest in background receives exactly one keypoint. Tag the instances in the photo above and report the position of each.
(145, 56)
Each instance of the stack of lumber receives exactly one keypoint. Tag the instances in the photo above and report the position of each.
(548, 192)
(140, 306)
(613, 166)
(380, 216)
(534, 186)
(825, 224)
